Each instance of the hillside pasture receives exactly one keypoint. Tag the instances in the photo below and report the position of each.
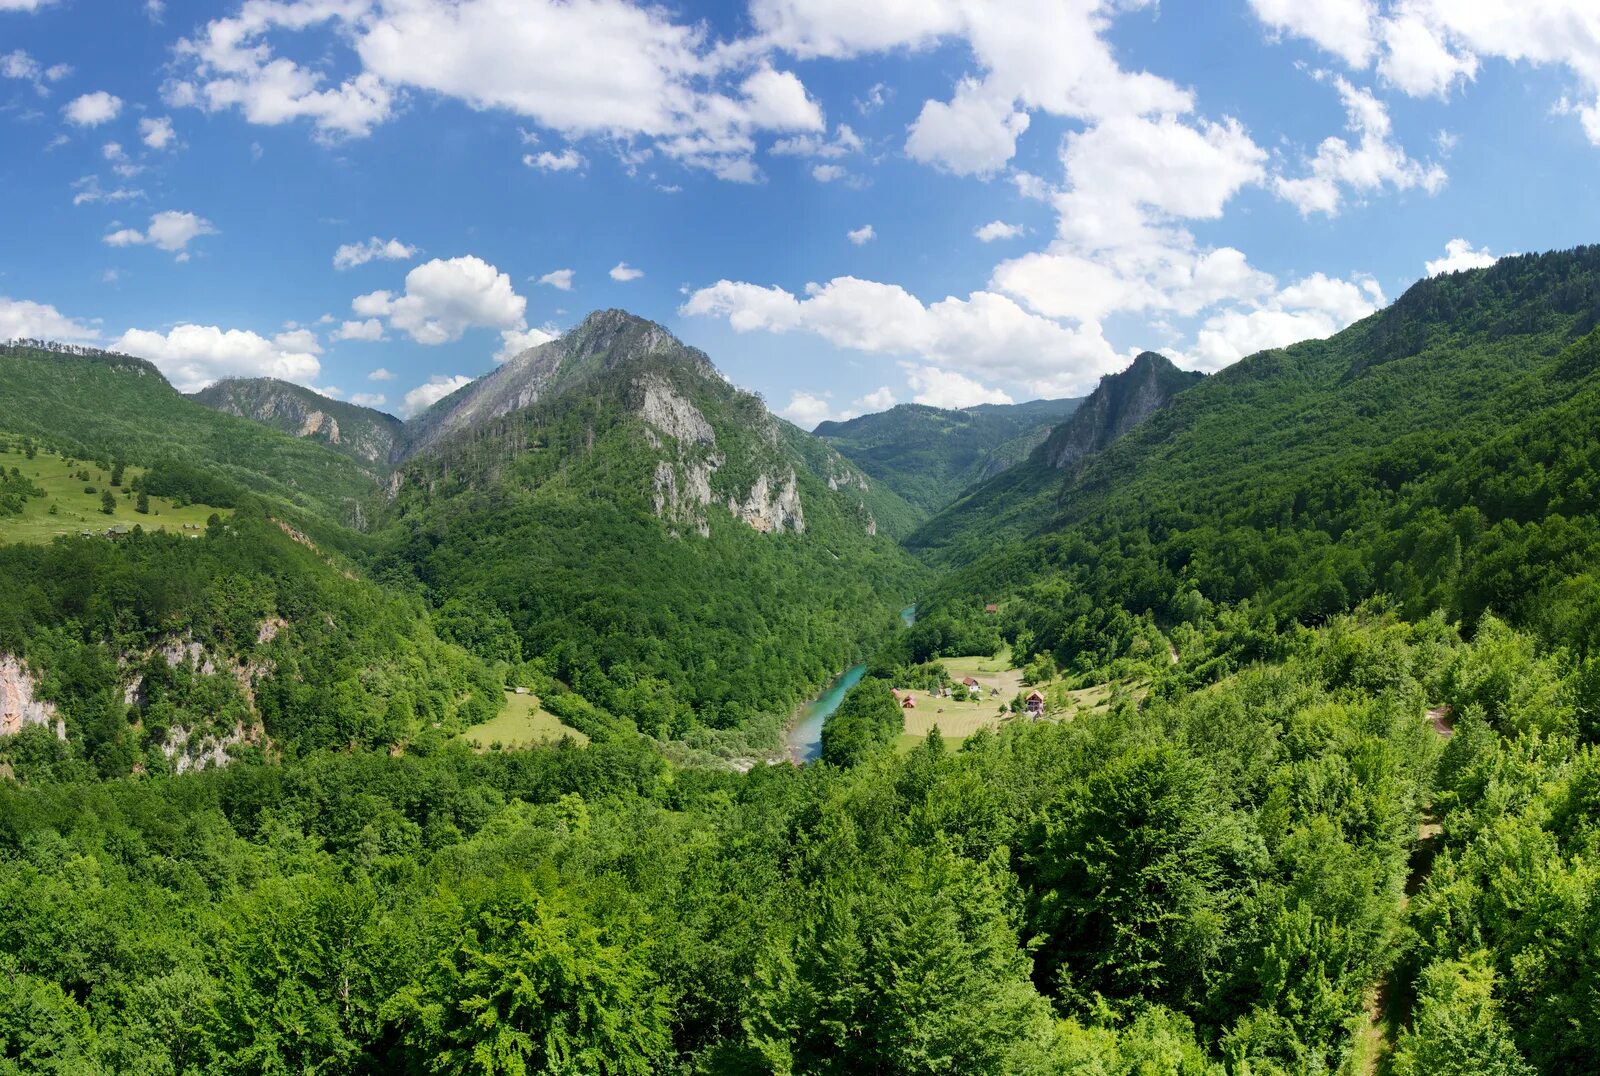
(77, 510)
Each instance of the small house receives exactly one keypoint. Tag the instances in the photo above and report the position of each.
(909, 702)
(1033, 705)
(991, 608)
(970, 683)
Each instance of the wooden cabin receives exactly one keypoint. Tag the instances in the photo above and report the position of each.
(1033, 705)
(970, 683)
(991, 608)
(909, 702)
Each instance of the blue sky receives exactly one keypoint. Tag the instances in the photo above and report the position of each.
(846, 205)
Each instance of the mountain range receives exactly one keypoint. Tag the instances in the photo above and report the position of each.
(1293, 679)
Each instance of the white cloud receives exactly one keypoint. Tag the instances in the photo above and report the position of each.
(827, 173)
(23, 319)
(996, 229)
(985, 332)
(369, 399)
(615, 70)
(369, 330)
(431, 392)
(945, 388)
(380, 374)
(624, 272)
(298, 340)
(975, 134)
(18, 64)
(806, 409)
(844, 142)
(861, 235)
(169, 230)
(1459, 255)
(88, 191)
(1376, 161)
(444, 298)
(193, 356)
(515, 341)
(24, 5)
(568, 160)
(560, 279)
(879, 399)
(1342, 27)
(1314, 307)
(92, 109)
(350, 255)
(112, 151)
(157, 132)
(1426, 47)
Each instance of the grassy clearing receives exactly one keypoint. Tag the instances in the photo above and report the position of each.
(77, 511)
(523, 723)
(958, 720)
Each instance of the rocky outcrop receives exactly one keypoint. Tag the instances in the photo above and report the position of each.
(185, 752)
(1120, 402)
(366, 434)
(19, 704)
(672, 414)
(683, 501)
(769, 512)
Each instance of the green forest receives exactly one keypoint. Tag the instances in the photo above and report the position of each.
(1339, 812)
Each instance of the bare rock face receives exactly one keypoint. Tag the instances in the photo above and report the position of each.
(769, 512)
(1120, 402)
(19, 707)
(684, 501)
(319, 422)
(673, 415)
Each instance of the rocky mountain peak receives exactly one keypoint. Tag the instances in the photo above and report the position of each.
(1119, 403)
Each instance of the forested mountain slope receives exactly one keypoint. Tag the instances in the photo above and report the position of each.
(99, 403)
(655, 537)
(1411, 454)
(1016, 500)
(930, 455)
(360, 432)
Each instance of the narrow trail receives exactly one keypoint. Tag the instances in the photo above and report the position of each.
(1386, 1012)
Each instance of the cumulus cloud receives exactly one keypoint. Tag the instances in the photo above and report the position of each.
(87, 190)
(1427, 47)
(843, 143)
(985, 332)
(1342, 27)
(193, 356)
(806, 409)
(294, 340)
(1314, 307)
(444, 298)
(380, 374)
(92, 109)
(169, 230)
(996, 229)
(369, 399)
(515, 341)
(431, 392)
(948, 389)
(879, 399)
(568, 160)
(560, 279)
(974, 134)
(370, 330)
(1376, 161)
(861, 235)
(624, 272)
(623, 72)
(350, 255)
(1459, 255)
(156, 132)
(23, 319)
